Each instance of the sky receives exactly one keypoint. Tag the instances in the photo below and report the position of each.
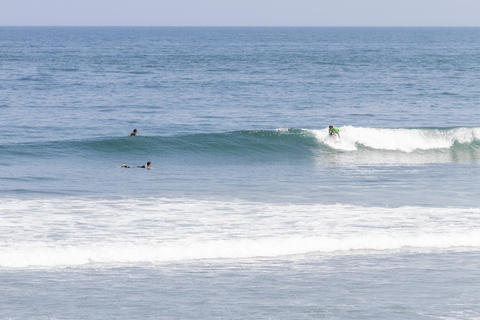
(240, 12)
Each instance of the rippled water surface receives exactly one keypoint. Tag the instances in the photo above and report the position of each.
(251, 209)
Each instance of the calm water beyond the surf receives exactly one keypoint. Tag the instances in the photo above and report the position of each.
(251, 210)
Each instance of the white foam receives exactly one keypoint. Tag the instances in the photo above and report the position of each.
(406, 140)
(25, 255)
(71, 232)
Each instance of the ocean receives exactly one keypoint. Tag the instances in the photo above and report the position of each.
(251, 210)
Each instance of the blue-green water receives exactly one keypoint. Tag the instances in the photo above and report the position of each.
(250, 210)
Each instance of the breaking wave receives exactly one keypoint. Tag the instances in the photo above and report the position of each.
(441, 144)
(69, 232)
(404, 140)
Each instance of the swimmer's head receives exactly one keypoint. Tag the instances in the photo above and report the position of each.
(149, 164)
(135, 130)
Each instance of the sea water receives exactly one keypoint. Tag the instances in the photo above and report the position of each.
(251, 210)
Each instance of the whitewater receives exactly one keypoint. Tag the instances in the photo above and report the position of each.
(73, 232)
(405, 140)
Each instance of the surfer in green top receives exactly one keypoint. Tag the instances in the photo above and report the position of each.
(333, 131)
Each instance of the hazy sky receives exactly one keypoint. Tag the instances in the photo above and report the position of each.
(241, 12)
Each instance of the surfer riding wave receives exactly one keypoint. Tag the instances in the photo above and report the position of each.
(333, 131)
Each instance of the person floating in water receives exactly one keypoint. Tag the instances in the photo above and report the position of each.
(333, 131)
(133, 133)
(147, 166)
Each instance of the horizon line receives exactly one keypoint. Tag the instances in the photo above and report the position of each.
(235, 26)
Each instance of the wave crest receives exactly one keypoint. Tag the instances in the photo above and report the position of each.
(405, 140)
(374, 143)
